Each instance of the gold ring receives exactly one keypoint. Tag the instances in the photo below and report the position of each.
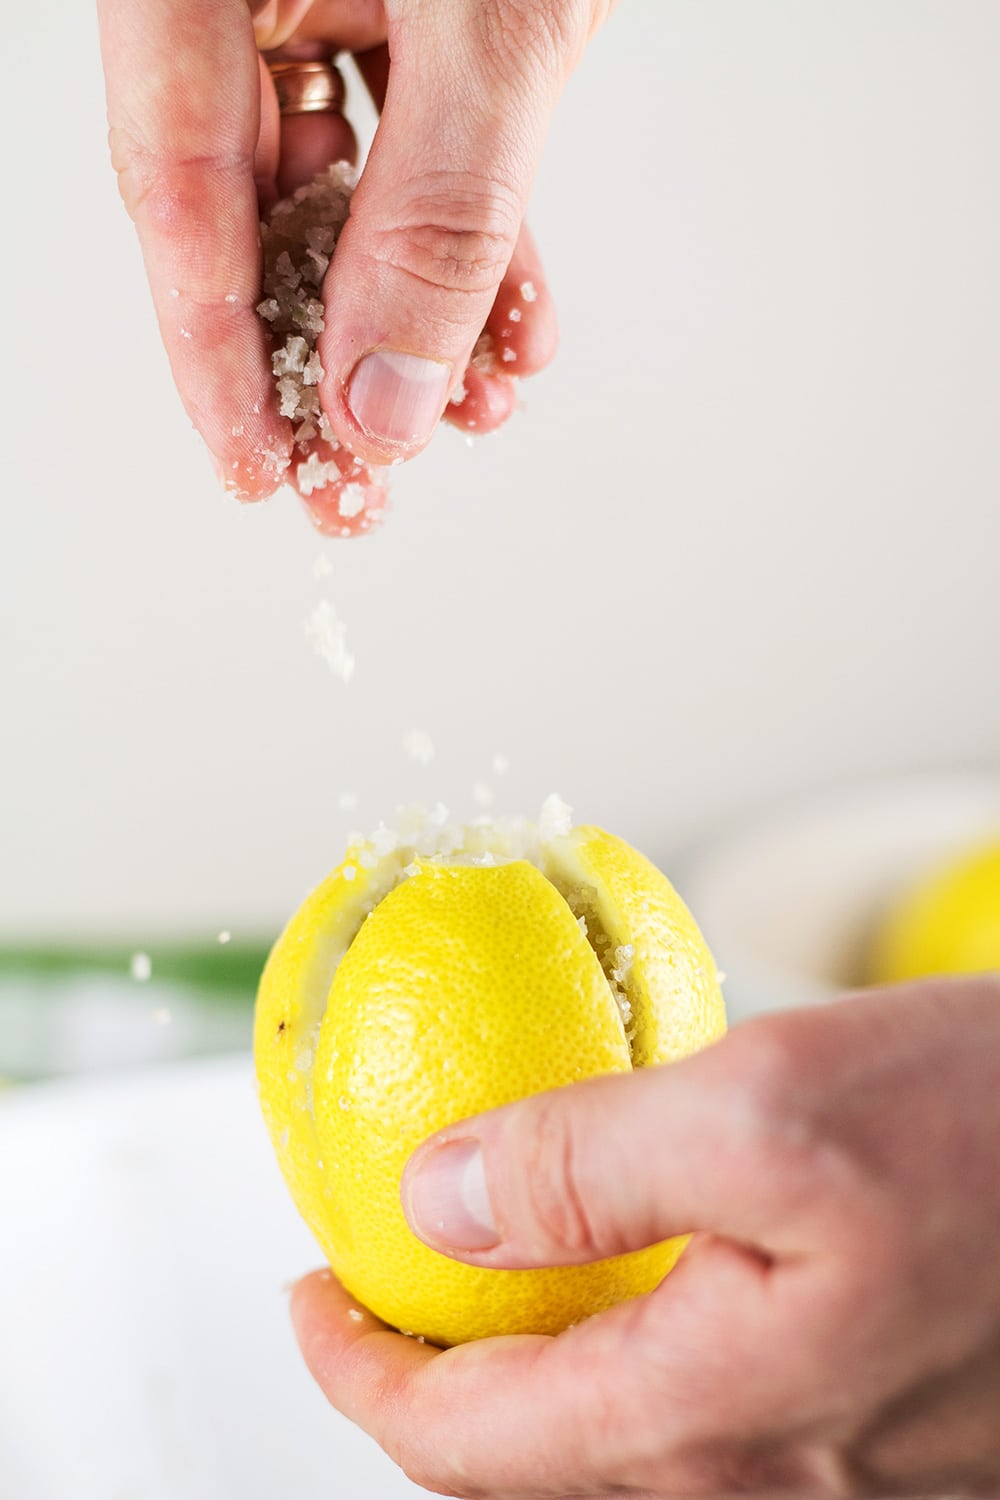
(307, 88)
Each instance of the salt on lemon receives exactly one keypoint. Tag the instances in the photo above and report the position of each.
(441, 971)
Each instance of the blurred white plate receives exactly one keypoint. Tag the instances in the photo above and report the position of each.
(145, 1347)
(788, 903)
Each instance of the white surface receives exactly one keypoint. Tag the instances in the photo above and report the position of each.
(146, 1351)
(743, 540)
(788, 902)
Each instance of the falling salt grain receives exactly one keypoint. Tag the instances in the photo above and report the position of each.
(161, 1017)
(347, 801)
(329, 640)
(555, 819)
(224, 937)
(141, 967)
(501, 765)
(482, 794)
(322, 567)
(419, 746)
(528, 291)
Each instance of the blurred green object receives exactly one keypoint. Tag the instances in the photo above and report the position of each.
(77, 1008)
(220, 967)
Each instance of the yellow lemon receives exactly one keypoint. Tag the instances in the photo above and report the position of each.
(947, 923)
(441, 972)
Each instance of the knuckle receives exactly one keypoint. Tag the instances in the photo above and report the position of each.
(457, 235)
(556, 1197)
(768, 1078)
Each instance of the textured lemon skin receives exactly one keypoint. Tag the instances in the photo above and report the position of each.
(949, 923)
(466, 988)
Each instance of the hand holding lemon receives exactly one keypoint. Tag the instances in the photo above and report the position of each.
(833, 1328)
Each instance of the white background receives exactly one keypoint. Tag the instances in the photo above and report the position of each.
(744, 539)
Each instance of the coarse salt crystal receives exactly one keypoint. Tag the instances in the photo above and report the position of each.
(555, 819)
(141, 967)
(329, 640)
(508, 356)
(349, 872)
(355, 1314)
(528, 291)
(351, 501)
(515, 315)
(419, 746)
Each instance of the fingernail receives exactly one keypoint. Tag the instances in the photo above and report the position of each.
(398, 397)
(447, 1202)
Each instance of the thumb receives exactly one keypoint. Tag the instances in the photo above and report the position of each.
(620, 1162)
(435, 217)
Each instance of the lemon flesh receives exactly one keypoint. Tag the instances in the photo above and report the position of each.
(409, 992)
(948, 923)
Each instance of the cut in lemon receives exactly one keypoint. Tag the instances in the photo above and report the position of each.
(439, 972)
(948, 923)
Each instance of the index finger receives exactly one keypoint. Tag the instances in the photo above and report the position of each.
(183, 88)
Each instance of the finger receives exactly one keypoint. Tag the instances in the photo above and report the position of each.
(183, 87)
(522, 320)
(308, 142)
(434, 221)
(348, 506)
(559, 1416)
(716, 1142)
(481, 402)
